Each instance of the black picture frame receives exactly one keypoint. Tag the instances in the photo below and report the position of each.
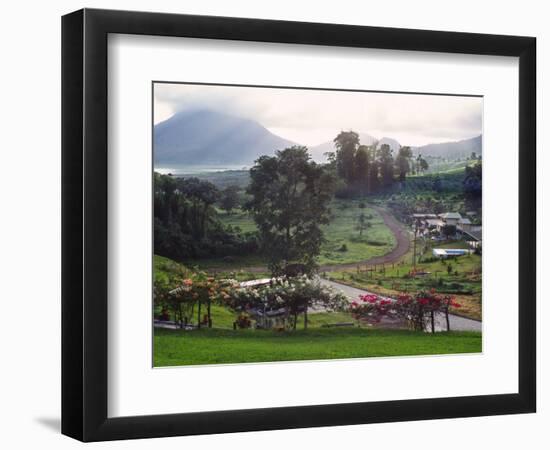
(84, 224)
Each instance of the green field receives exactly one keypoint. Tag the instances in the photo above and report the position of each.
(213, 346)
(463, 282)
(343, 243)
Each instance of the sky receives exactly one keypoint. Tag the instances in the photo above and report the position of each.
(312, 117)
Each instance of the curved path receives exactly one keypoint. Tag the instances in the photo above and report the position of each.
(402, 238)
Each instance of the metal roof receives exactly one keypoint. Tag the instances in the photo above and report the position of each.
(450, 215)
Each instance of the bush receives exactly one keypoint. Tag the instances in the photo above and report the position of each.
(343, 248)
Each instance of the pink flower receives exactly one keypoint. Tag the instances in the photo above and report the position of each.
(370, 298)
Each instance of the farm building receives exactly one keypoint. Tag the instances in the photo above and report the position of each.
(473, 237)
(451, 218)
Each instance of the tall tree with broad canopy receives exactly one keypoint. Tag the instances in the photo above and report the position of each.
(290, 202)
(385, 160)
(402, 162)
(229, 198)
(346, 144)
(362, 168)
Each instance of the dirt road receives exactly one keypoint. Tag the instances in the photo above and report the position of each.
(402, 238)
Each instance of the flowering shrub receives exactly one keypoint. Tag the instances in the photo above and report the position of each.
(292, 295)
(196, 289)
(418, 310)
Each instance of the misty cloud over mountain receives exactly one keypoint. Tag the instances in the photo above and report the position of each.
(207, 137)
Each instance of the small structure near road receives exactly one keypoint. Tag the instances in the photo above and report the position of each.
(450, 252)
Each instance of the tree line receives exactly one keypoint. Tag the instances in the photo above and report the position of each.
(368, 169)
(187, 225)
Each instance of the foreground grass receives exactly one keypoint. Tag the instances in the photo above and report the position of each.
(178, 347)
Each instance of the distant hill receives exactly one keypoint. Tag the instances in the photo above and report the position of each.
(394, 145)
(202, 137)
(455, 149)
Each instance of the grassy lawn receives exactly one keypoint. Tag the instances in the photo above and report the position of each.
(341, 234)
(463, 283)
(238, 218)
(215, 346)
(343, 243)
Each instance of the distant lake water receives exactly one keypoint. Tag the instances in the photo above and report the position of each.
(180, 170)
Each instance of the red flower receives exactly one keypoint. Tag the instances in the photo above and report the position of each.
(370, 298)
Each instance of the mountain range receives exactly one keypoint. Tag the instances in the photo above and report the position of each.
(454, 149)
(202, 137)
(206, 137)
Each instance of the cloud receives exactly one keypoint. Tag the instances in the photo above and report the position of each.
(314, 116)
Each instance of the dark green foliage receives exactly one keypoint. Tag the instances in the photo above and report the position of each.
(364, 169)
(403, 162)
(290, 196)
(362, 162)
(437, 185)
(472, 185)
(186, 225)
(229, 198)
(346, 147)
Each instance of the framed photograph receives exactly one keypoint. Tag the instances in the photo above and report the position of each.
(273, 224)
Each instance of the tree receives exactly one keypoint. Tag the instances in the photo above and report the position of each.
(290, 197)
(229, 198)
(362, 223)
(471, 185)
(385, 160)
(186, 225)
(402, 162)
(202, 195)
(419, 310)
(421, 164)
(362, 167)
(346, 146)
(374, 180)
